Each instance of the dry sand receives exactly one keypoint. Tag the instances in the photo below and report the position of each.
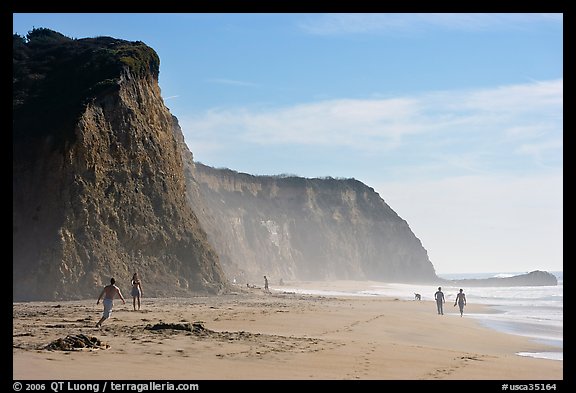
(251, 335)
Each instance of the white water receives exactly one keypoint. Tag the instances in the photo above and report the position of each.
(534, 312)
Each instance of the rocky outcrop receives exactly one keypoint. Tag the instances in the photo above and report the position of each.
(532, 279)
(302, 229)
(98, 185)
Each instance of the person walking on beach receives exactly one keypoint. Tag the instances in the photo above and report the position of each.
(439, 296)
(461, 301)
(136, 291)
(109, 292)
(266, 284)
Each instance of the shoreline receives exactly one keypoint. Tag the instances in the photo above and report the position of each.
(488, 318)
(278, 336)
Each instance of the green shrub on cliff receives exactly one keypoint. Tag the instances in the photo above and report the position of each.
(55, 76)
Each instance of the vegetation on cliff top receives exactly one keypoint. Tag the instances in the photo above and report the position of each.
(55, 76)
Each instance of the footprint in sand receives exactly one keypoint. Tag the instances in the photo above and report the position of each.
(461, 361)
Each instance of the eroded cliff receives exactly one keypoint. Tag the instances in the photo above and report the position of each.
(305, 229)
(104, 185)
(98, 185)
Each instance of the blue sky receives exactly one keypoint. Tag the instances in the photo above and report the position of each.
(456, 120)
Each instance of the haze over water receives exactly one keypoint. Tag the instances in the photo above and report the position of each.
(532, 311)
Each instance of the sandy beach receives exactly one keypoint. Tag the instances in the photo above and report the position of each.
(251, 335)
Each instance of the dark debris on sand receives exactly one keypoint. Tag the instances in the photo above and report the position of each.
(196, 327)
(76, 342)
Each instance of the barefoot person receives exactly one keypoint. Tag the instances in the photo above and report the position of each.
(109, 292)
(439, 296)
(136, 291)
(461, 301)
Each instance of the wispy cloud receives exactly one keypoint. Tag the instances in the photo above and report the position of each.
(329, 24)
(231, 82)
(170, 97)
(477, 174)
(462, 127)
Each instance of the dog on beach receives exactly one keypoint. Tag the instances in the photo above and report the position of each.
(417, 296)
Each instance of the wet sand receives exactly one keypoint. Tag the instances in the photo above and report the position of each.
(251, 335)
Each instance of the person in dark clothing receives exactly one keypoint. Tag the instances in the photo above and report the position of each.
(439, 296)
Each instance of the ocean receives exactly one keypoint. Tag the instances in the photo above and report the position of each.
(534, 312)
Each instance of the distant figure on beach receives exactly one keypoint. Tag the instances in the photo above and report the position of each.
(109, 292)
(136, 291)
(417, 296)
(266, 284)
(439, 296)
(461, 301)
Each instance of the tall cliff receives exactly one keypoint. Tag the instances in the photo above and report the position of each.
(304, 229)
(98, 184)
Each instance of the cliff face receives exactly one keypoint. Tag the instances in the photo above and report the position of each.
(98, 185)
(305, 229)
(105, 186)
